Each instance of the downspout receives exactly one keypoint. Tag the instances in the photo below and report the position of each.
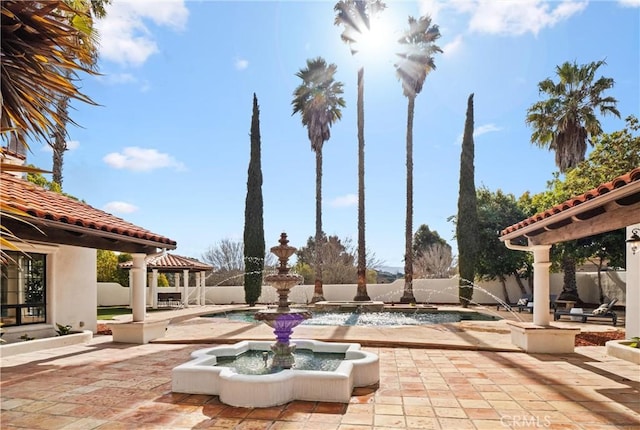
(541, 265)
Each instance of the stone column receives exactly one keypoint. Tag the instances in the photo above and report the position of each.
(185, 283)
(138, 278)
(541, 265)
(197, 276)
(154, 288)
(632, 300)
(204, 287)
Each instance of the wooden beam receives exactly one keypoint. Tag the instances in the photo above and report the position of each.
(614, 218)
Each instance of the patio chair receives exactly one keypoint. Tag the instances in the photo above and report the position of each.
(605, 310)
(520, 304)
(552, 303)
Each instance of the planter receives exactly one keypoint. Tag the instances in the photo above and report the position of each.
(45, 343)
(621, 349)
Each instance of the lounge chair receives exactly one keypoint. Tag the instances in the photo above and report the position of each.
(552, 303)
(520, 304)
(604, 311)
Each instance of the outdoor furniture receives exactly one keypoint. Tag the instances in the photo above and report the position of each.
(520, 304)
(552, 303)
(604, 311)
(172, 300)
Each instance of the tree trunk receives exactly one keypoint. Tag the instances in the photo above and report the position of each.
(317, 290)
(569, 288)
(505, 292)
(523, 290)
(361, 294)
(59, 145)
(407, 296)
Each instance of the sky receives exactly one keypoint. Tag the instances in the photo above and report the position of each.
(168, 146)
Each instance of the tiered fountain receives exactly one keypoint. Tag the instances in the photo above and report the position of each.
(282, 381)
(283, 319)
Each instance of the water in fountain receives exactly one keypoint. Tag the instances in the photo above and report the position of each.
(255, 362)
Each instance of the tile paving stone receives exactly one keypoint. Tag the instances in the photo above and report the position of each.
(393, 421)
(357, 418)
(422, 423)
(84, 424)
(481, 387)
(455, 423)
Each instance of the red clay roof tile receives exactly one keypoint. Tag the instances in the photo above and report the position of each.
(165, 260)
(618, 182)
(48, 205)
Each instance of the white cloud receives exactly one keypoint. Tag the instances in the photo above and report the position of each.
(479, 131)
(629, 3)
(117, 78)
(486, 128)
(71, 145)
(511, 17)
(431, 8)
(124, 37)
(344, 201)
(520, 17)
(240, 63)
(452, 47)
(141, 160)
(120, 207)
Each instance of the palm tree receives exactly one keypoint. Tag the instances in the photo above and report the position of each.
(318, 100)
(416, 62)
(37, 50)
(86, 38)
(355, 16)
(564, 123)
(566, 120)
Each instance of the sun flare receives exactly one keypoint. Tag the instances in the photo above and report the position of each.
(377, 42)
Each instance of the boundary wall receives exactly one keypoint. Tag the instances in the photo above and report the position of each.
(434, 291)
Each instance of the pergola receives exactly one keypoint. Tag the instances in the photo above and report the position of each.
(611, 206)
(164, 262)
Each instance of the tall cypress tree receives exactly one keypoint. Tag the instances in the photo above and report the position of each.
(254, 247)
(467, 222)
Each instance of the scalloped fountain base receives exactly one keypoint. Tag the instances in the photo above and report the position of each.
(201, 376)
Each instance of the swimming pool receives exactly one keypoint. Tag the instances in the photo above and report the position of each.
(373, 319)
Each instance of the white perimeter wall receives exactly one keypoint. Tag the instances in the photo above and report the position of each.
(437, 291)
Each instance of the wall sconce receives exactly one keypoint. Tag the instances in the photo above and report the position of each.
(634, 240)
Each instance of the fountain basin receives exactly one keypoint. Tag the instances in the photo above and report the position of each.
(201, 376)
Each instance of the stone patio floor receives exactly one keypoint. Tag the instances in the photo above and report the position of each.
(106, 385)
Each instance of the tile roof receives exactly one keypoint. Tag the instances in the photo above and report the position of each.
(621, 181)
(51, 206)
(166, 261)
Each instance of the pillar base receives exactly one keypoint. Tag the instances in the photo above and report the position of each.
(138, 332)
(549, 339)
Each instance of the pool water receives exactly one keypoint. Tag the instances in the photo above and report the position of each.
(373, 319)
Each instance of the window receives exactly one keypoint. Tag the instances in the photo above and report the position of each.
(23, 290)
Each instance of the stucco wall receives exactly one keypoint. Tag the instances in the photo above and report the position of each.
(74, 291)
(437, 291)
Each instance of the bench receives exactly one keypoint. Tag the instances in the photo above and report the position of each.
(173, 300)
(611, 315)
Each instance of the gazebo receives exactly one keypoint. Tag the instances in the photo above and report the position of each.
(164, 262)
(611, 206)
